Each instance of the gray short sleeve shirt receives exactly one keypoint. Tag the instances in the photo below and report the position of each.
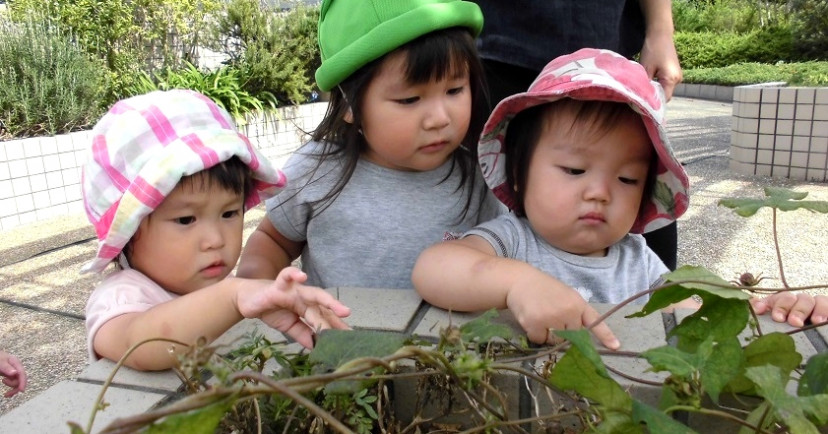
(629, 267)
(372, 234)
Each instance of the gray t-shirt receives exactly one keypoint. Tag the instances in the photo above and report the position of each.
(372, 234)
(629, 267)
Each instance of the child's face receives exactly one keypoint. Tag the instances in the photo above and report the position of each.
(583, 191)
(192, 240)
(414, 127)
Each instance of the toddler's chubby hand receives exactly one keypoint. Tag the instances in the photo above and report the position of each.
(793, 308)
(13, 373)
(542, 304)
(293, 308)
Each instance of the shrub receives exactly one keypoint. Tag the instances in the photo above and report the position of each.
(275, 51)
(224, 86)
(708, 49)
(47, 83)
(127, 35)
(795, 74)
(810, 31)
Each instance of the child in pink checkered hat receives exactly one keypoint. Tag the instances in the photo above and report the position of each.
(583, 161)
(166, 189)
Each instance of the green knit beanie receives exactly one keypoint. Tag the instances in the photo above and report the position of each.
(355, 32)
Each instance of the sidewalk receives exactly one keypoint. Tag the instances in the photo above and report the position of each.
(43, 295)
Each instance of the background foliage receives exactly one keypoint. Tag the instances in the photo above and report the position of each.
(47, 85)
(268, 54)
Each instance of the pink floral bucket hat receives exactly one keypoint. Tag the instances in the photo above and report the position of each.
(142, 148)
(596, 75)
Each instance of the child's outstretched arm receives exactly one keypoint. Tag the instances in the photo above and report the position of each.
(210, 311)
(466, 275)
(266, 252)
(793, 308)
(13, 373)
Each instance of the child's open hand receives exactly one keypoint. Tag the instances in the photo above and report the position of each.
(793, 308)
(294, 309)
(13, 373)
(542, 304)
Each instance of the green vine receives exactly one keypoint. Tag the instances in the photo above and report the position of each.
(343, 384)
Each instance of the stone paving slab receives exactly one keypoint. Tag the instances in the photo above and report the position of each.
(98, 373)
(73, 401)
(380, 309)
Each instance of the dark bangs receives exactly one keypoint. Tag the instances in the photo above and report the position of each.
(231, 175)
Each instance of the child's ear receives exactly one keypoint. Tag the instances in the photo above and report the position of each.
(349, 116)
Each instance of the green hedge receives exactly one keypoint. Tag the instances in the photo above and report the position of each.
(708, 49)
(795, 74)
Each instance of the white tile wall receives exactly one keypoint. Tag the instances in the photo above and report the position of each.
(792, 128)
(40, 177)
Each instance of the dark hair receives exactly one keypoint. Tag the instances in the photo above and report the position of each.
(231, 175)
(591, 118)
(429, 57)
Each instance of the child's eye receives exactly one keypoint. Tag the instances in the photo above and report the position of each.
(628, 181)
(408, 101)
(231, 213)
(187, 220)
(456, 90)
(571, 171)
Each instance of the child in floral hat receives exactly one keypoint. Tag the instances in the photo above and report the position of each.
(166, 189)
(584, 163)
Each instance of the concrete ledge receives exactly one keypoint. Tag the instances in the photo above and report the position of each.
(704, 91)
(403, 311)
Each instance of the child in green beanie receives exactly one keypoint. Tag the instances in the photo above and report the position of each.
(392, 167)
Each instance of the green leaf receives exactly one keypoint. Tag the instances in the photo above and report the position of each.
(718, 318)
(203, 420)
(616, 422)
(723, 363)
(815, 379)
(656, 421)
(782, 199)
(775, 349)
(581, 370)
(335, 347)
(482, 329)
(685, 282)
(791, 410)
(671, 359)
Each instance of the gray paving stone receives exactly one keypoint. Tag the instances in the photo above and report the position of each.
(380, 309)
(162, 381)
(635, 334)
(70, 400)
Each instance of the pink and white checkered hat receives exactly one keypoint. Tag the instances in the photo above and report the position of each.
(142, 148)
(594, 75)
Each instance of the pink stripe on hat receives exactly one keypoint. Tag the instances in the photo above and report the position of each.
(207, 155)
(143, 147)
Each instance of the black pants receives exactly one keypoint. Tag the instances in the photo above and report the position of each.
(505, 80)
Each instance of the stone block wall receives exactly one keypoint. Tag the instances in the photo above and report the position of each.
(780, 132)
(40, 176)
